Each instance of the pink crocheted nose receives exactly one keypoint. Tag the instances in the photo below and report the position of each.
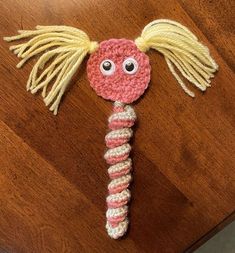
(119, 71)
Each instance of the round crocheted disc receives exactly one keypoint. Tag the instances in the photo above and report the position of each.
(110, 73)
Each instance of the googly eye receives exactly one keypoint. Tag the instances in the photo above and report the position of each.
(130, 66)
(107, 67)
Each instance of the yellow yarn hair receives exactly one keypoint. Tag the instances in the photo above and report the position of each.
(181, 49)
(63, 49)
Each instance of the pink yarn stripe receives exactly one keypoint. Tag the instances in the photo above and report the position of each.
(116, 204)
(118, 109)
(117, 124)
(117, 159)
(118, 188)
(117, 155)
(112, 143)
(120, 173)
(115, 221)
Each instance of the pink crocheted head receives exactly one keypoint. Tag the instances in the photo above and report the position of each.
(119, 71)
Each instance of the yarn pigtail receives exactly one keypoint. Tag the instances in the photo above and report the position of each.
(181, 49)
(62, 50)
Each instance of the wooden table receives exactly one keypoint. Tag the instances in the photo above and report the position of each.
(53, 177)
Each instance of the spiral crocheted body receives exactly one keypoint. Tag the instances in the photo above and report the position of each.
(117, 156)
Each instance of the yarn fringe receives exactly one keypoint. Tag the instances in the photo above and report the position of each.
(181, 49)
(62, 50)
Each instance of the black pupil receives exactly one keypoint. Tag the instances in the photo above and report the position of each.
(107, 65)
(129, 66)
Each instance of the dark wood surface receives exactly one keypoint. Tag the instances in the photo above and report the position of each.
(53, 177)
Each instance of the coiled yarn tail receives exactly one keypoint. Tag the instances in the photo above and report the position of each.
(117, 156)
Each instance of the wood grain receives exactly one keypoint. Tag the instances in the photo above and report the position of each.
(53, 177)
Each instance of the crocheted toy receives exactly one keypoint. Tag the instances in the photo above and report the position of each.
(118, 70)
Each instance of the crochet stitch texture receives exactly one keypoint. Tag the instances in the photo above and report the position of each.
(119, 86)
(117, 156)
(118, 70)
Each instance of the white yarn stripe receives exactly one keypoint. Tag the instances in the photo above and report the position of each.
(125, 195)
(118, 151)
(116, 212)
(118, 104)
(119, 133)
(120, 166)
(128, 114)
(126, 179)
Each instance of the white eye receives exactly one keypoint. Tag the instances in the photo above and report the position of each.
(130, 66)
(107, 67)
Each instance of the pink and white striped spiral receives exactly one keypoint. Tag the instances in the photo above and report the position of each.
(117, 156)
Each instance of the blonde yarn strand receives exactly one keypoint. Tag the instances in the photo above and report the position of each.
(182, 50)
(62, 50)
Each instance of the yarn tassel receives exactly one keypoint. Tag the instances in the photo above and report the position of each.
(182, 50)
(61, 49)
(117, 156)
